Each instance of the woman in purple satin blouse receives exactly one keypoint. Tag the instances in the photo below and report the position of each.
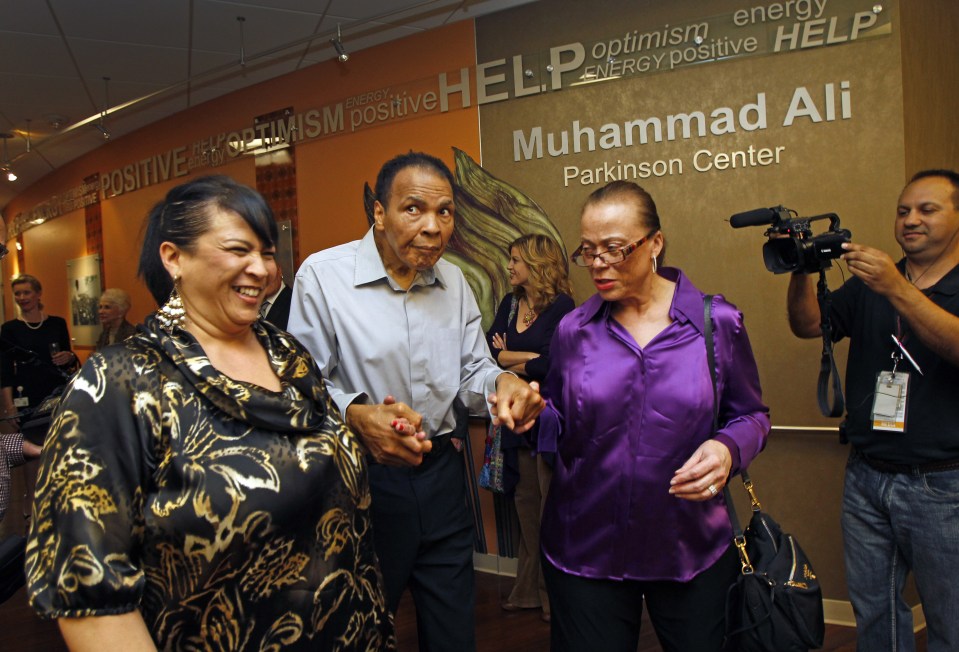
(635, 510)
(519, 339)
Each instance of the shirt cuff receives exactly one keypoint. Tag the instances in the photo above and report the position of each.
(344, 401)
(730, 443)
(549, 431)
(13, 447)
(491, 386)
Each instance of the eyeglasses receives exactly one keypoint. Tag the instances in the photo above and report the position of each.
(610, 256)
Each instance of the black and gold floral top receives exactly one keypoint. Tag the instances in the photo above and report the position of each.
(232, 517)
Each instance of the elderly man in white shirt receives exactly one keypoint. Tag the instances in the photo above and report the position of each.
(396, 331)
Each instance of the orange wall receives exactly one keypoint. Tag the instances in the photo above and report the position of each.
(331, 171)
(123, 220)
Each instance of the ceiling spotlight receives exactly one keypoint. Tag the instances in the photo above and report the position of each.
(5, 167)
(101, 125)
(337, 42)
(56, 121)
(241, 20)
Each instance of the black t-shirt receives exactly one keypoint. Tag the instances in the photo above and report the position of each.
(932, 406)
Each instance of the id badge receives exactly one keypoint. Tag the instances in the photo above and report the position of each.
(889, 406)
(21, 402)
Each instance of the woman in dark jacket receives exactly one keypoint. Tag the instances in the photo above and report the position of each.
(519, 340)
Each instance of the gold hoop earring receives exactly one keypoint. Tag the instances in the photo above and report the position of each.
(172, 314)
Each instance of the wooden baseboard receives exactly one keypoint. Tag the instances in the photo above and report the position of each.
(839, 612)
(494, 564)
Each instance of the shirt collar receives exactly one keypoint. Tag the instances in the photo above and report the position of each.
(270, 299)
(947, 285)
(687, 305)
(687, 301)
(370, 268)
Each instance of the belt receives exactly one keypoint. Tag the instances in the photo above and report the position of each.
(913, 469)
(441, 444)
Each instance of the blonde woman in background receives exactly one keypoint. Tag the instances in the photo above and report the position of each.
(519, 340)
(113, 308)
(35, 355)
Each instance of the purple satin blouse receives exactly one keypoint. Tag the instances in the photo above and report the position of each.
(622, 419)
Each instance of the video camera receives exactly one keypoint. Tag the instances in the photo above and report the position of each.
(801, 251)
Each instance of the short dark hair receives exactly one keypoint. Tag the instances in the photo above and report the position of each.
(629, 191)
(949, 175)
(384, 180)
(184, 215)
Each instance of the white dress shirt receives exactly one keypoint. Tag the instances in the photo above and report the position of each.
(371, 338)
(268, 302)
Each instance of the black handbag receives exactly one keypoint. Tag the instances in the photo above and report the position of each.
(775, 604)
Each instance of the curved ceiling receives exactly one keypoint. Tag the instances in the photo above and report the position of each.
(163, 56)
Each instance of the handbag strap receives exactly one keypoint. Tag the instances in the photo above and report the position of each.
(738, 537)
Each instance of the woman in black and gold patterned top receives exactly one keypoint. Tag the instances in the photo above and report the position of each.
(198, 489)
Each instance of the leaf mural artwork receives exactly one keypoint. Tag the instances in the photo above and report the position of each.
(490, 214)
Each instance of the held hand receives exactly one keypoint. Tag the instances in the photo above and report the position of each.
(876, 269)
(516, 403)
(390, 431)
(704, 474)
(499, 341)
(402, 425)
(31, 450)
(63, 358)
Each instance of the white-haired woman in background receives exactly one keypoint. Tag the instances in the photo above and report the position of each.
(113, 308)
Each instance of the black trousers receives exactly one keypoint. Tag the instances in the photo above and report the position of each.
(590, 614)
(423, 534)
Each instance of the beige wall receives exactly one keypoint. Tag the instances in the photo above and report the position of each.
(853, 167)
(930, 83)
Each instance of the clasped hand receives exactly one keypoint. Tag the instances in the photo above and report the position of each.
(392, 432)
(516, 403)
(63, 358)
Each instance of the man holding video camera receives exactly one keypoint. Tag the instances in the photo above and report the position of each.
(901, 495)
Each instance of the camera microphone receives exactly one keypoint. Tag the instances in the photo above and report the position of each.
(754, 217)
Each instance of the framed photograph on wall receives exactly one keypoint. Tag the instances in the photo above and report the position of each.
(83, 279)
